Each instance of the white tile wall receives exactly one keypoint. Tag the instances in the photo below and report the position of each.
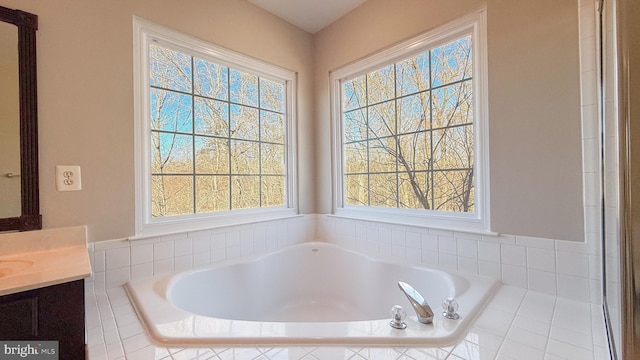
(116, 262)
(563, 268)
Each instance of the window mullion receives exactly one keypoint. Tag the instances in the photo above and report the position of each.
(366, 101)
(396, 137)
(431, 153)
(229, 138)
(259, 145)
(193, 136)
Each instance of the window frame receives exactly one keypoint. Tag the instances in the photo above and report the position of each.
(477, 222)
(146, 225)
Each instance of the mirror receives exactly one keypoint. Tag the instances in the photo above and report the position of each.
(19, 192)
(9, 123)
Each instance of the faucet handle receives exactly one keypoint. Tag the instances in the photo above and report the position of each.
(397, 317)
(450, 306)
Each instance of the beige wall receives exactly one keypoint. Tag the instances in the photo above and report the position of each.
(534, 103)
(85, 76)
(85, 98)
(534, 109)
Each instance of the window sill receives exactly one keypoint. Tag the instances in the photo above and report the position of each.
(193, 224)
(420, 221)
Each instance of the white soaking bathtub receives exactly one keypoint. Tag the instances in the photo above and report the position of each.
(307, 294)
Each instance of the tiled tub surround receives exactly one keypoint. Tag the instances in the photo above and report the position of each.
(567, 269)
(310, 293)
(116, 262)
(557, 318)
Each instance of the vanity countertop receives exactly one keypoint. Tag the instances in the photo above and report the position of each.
(35, 259)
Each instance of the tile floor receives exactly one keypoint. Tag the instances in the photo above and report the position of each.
(516, 325)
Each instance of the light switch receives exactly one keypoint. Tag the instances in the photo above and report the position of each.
(68, 178)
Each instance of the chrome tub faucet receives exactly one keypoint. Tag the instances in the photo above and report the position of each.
(423, 310)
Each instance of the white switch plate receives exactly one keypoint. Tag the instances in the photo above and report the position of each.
(68, 178)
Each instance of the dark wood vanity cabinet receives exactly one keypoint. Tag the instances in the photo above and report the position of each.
(53, 313)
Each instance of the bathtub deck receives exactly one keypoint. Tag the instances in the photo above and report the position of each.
(517, 324)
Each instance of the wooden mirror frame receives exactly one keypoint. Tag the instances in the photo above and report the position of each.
(30, 218)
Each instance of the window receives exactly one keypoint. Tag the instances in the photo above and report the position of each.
(411, 130)
(214, 134)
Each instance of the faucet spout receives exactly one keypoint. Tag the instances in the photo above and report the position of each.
(423, 310)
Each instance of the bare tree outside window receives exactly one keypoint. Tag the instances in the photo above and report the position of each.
(217, 136)
(409, 132)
